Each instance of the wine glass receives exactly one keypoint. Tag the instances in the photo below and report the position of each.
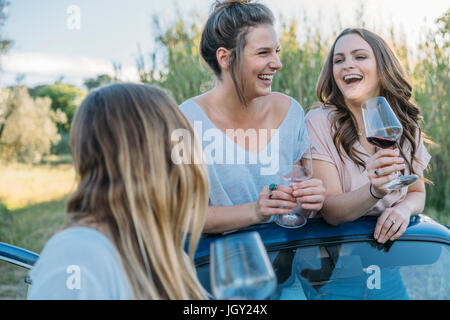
(240, 268)
(294, 174)
(384, 130)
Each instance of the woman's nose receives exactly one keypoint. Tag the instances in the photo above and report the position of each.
(348, 64)
(276, 63)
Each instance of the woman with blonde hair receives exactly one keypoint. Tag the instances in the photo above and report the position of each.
(134, 207)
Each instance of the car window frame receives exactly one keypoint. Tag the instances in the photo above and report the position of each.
(201, 261)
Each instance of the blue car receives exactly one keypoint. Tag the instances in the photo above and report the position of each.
(324, 262)
(320, 261)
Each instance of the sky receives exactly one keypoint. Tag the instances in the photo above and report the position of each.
(78, 39)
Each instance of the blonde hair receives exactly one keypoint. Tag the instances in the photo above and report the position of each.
(121, 147)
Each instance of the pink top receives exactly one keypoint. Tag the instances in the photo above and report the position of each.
(351, 176)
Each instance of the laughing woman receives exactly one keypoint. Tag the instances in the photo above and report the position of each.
(360, 66)
(240, 45)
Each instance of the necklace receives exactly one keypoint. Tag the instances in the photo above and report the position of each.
(359, 133)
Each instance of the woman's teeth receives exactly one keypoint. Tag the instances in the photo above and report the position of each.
(352, 78)
(265, 77)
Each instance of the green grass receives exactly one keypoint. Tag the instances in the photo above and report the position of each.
(29, 228)
(34, 200)
(24, 185)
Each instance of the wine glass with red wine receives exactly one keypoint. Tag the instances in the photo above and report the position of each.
(383, 130)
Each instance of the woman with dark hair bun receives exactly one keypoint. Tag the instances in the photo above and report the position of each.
(241, 113)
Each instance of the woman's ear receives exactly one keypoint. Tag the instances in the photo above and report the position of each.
(223, 58)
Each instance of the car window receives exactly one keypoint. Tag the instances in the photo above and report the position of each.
(360, 270)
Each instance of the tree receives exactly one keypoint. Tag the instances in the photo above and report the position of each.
(28, 126)
(431, 83)
(98, 81)
(182, 73)
(64, 97)
(5, 44)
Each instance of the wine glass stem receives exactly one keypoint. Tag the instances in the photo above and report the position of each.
(399, 174)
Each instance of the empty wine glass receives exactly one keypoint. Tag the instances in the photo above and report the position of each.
(294, 174)
(383, 130)
(240, 268)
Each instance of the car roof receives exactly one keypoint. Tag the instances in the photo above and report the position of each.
(318, 230)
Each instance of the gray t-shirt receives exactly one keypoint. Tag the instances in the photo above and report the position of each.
(79, 263)
(237, 176)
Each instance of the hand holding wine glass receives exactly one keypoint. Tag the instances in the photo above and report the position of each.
(384, 130)
(240, 268)
(294, 174)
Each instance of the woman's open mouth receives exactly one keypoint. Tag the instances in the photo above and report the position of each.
(266, 77)
(352, 78)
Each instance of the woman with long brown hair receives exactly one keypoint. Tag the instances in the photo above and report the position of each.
(134, 207)
(360, 66)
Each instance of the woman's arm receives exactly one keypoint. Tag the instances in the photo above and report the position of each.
(221, 219)
(341, 207)
(413, 204)
(310, 193)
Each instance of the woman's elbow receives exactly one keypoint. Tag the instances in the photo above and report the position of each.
(332, 218)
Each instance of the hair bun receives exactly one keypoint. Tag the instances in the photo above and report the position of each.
(227, 3)
(239, 1)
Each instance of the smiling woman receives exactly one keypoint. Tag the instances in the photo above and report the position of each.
(361, 65)
(241, 46)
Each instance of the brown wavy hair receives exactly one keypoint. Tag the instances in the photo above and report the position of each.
(395, 87)
(128, 184)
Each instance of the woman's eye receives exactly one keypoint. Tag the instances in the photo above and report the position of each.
(337, 61)
(360, 57)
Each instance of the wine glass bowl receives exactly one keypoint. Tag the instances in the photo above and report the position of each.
(384, 130)
(240, 268)
(294, 174)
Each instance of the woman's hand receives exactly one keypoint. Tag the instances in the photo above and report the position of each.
(310, 193)
(382, 168)
(269, 203)
(391, 224)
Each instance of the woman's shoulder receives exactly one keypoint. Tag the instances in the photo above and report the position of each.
(283, 100)
(322, 113)
(188, 104)
(82, 244)
(193, 109)
(285, 104)
(78, 253)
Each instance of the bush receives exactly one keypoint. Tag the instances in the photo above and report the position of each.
(28, 127)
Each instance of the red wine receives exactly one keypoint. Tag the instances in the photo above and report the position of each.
(381, 142)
